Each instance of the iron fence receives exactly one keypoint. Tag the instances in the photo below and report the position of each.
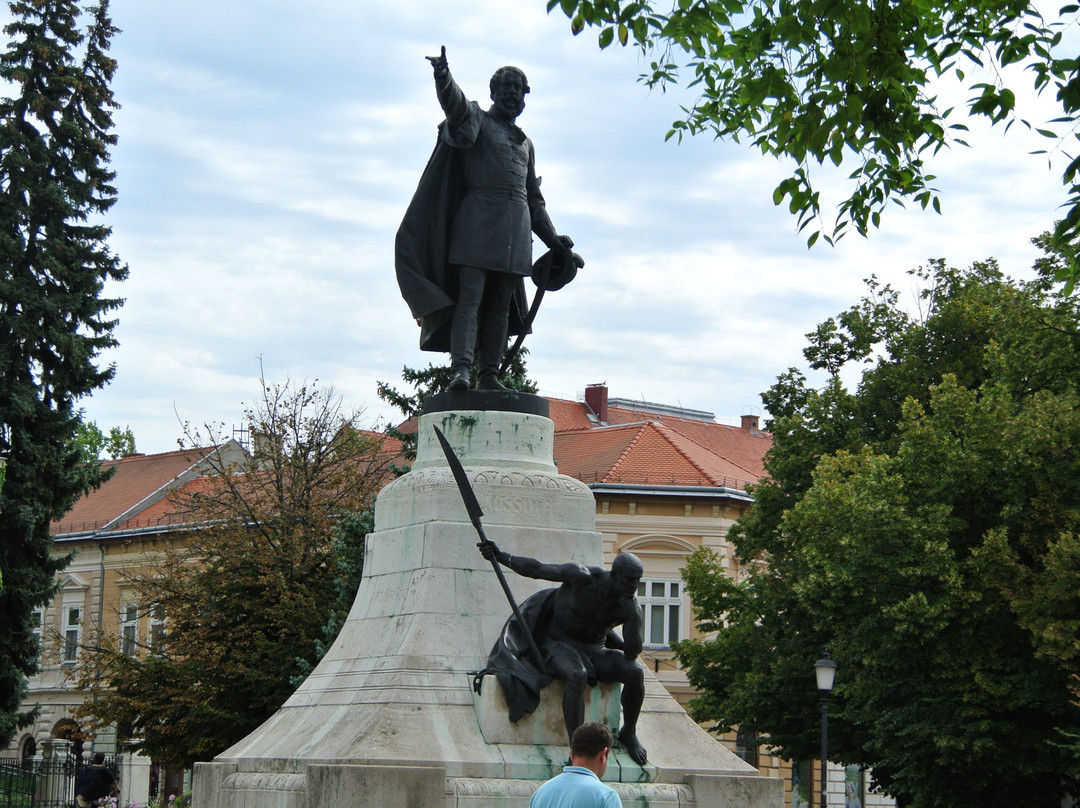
(36, 783)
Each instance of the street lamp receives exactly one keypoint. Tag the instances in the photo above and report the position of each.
(825, 671)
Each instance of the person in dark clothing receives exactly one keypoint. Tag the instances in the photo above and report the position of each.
(94, 783)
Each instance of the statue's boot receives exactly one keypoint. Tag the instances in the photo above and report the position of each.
(492, 346)
(493, 334)
(460, 379)
(463, 330)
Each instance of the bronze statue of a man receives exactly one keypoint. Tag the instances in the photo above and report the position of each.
(572, 625)
(465, 243)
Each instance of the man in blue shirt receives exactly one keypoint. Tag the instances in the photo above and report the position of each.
(579, 784)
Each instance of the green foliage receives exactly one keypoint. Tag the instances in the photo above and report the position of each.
(349, 534)
(250, 596)
(93, 443)
(924, 527)
(851, 83)
(54, 322)
(435, 379)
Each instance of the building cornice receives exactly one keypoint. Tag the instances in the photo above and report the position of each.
(694, 491)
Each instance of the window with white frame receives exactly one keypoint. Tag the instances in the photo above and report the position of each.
(661, 602)
(72, 634)
(37, 622)
(157, 628)
(129, 628)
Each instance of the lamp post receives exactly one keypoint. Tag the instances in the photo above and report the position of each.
(825, 671)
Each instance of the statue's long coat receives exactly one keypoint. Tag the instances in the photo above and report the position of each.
(476, 204)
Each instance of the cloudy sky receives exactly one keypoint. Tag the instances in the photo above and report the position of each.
(268, 150)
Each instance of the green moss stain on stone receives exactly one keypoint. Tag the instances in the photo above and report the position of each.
(465, 425)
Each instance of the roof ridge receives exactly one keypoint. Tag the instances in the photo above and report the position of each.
(164, 490)
(710, 450)
(674, 444)
(146, 455)
(629, 447)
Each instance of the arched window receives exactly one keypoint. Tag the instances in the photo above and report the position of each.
(27, 747)
(67, 729)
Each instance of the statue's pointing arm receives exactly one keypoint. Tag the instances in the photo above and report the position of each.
(451, 98)
(439, 65)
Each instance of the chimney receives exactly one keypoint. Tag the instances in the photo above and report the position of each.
(750, 422)
(596, 399)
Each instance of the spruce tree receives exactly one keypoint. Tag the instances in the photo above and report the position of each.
(55, 134)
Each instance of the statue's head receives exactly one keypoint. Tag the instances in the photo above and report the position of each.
(626, 570)
(508, 89)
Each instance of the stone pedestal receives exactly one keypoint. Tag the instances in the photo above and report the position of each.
(134, 770)
(58, 786)
(389, 717)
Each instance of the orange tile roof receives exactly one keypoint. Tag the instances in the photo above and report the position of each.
(136, 478)
(569, 415)
(138, 493)
(646, 453)
(167, 510)
(637, 446)
(647, 448)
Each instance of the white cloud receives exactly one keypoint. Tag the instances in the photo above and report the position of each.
(267, 152)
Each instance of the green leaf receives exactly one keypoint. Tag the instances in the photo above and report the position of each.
(807, 79)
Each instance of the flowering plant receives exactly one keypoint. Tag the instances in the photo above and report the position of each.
(114, 802)
(173, 801)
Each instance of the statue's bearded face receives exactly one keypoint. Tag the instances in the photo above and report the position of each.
(509, 94)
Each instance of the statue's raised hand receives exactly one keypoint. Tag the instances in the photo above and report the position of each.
(438, 64)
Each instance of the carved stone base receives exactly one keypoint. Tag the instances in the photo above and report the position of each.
(418, 786)
(545, 726)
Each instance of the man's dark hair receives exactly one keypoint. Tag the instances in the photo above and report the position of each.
(589, 740)
(498, 75)
(99, 758)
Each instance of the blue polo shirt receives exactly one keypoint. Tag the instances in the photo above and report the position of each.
(576, 787)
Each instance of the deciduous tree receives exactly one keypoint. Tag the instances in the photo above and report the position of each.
(854, 83)
(93, 443)
(270, 559)
(55, 187)
(923, 527)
